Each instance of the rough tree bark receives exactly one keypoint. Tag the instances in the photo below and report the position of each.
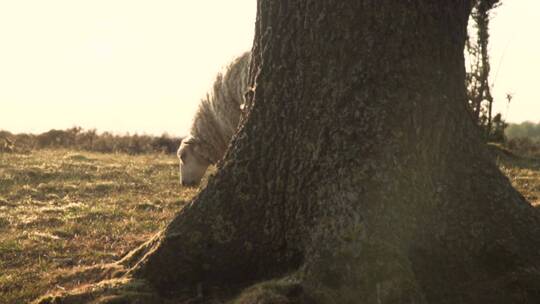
(356, 176)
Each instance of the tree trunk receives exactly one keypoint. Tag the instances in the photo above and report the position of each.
(356, 176)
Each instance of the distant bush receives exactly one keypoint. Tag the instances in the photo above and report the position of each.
(525, 129)
(524, 138)
(6, 142)
(524, 146)
(88, 140)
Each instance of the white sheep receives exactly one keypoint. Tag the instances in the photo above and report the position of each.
(215, 122)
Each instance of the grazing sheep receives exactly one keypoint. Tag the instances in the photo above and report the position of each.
(215, 122)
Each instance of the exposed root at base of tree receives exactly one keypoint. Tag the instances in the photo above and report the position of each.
(518, 286)
(129, 290)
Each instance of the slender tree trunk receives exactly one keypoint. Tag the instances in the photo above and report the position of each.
(479, 88)
(356, 176)
(489, 130)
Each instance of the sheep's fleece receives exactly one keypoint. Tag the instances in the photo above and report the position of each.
(215, 121)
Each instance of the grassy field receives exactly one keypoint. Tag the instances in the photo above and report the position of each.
(63, 210)
(524, 173)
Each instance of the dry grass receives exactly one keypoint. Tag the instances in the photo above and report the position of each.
(61, 210)
(524, 173)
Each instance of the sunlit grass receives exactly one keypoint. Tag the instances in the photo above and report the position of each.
(524, 173)
(61, 210)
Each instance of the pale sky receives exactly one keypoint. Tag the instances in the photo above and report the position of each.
(515, 59)
(142, 65)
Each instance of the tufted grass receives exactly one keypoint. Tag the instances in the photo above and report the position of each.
(61, 210)
(524, 173)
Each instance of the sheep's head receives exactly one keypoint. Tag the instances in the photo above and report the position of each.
(193, 162)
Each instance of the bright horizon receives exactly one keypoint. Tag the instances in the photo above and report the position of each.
(142, 66)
